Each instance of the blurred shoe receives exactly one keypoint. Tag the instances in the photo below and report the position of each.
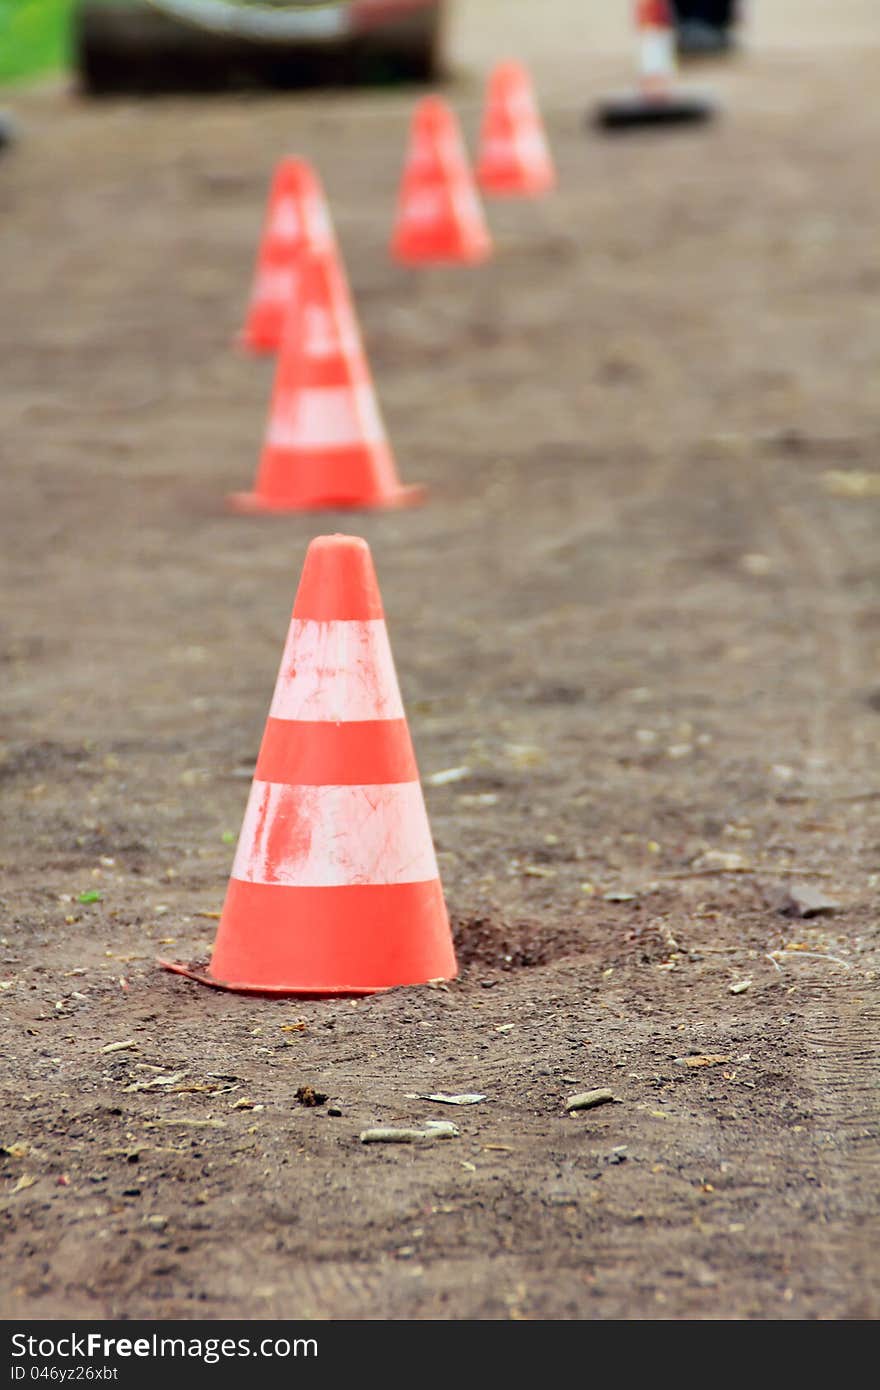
(7, 129)
(697, 39)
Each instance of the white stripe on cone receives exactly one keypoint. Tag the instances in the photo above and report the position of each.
(532, 147)
(333, 837)
(326, 417)
(275, 285)
(285, 223)
(319, 229)
(337, 672)
(656, 55)
(468, 211)
(425, 206)
(327, 336)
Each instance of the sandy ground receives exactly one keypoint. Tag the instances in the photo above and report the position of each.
(641, 606)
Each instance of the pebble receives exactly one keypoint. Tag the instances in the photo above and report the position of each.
(586, 1100)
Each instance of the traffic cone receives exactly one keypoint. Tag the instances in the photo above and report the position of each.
(325, 444)
(334, 887)
(439, 216)
(659, 100)
(514, 157)
(297, 221)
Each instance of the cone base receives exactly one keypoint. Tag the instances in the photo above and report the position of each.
(357, 939)
(200, 972)
(511, 190)
(430, 257)
(515, 185)
(633, 110)
(255, 504)
(255, 346)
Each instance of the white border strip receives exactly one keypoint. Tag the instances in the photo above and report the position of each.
(337, 672)
(334, 837)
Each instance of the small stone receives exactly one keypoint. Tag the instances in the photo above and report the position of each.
(757, 565)
(702, 1059)
(804, 901)
(725, 861)
(449, 774)
(587, 1100)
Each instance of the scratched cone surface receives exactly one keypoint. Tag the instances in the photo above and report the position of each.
(334, 887)
(439, 214)
(325, 444)
(297, 222)
(514, 157)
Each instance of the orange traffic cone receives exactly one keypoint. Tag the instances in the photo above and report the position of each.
(514, 157)
(439, 216)
(659, 100)
(297, 221)
(334, 887)
(325, 444)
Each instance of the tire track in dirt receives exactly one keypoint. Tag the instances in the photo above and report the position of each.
(841, 1037)
(810, 545)
(659, 479)
(841, 1029)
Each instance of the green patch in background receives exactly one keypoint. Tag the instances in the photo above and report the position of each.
(34, 37)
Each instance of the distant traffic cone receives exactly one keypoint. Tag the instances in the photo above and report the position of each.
(325, 444)
(659, 99)
(656, 39)
(439, 215)
(334, 887)
(297, 221)
(514, 157)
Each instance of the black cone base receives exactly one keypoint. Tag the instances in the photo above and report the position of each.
(635, 110)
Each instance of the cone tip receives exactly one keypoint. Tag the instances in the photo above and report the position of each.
(292, 164)
(338, 581)
(509, 67)
(338, 542)
(295, 173)
(433, 112)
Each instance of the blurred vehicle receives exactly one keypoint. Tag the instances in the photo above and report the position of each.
(185, 45)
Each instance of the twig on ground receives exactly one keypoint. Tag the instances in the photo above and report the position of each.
(814, 955)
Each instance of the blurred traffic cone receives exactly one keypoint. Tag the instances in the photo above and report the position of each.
(659, 100)
(297, 221)
(334, 887)
(514, 157)
(325, 445)
(439, 216)
(656, 42)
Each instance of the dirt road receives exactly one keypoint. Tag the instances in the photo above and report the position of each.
(642, 607)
